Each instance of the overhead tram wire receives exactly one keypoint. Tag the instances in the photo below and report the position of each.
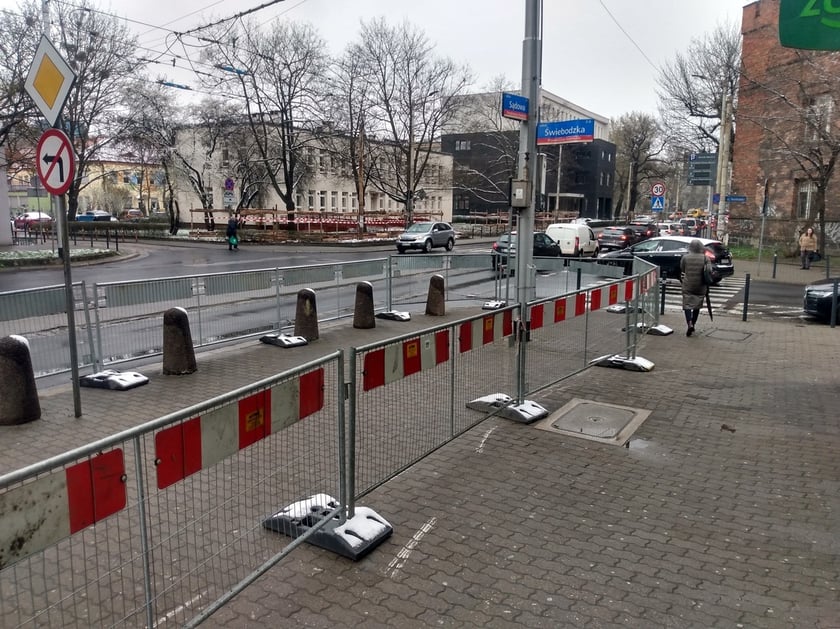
(627, 35)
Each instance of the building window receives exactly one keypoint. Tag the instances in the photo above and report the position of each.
(818, 116)
(345, 196)
(805, 198)
(299, 200)
(354, 201)
(311, 204)
(333, 201)
(322, 200)
(225, 155)
(462, 145)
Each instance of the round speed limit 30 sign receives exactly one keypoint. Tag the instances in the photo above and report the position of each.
(657, 189)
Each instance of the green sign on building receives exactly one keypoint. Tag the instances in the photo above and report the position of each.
(810, 24)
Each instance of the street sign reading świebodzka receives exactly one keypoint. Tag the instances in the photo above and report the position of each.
(702, 169)
(49, 80)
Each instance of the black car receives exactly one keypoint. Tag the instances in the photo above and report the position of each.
(645, 229)
(544, 247)
(666, 253)
(617, 238)
(817, 300)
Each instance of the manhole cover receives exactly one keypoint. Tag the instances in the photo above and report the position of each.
(607, 423)
(729, 335)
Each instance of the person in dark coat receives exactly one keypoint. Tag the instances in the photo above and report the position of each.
(233, 242)
(694, 289)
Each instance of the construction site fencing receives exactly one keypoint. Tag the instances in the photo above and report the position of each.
(410, 392)
(163, 523)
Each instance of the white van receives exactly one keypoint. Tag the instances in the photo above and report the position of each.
(574, 239)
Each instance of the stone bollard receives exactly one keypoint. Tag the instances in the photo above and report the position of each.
(178, 350)
(19, 402)
(363, 318)
(306, 315)
(436, 301)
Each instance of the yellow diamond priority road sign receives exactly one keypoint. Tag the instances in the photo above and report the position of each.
(49, 80)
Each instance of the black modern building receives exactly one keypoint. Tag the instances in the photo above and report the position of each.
(484, 162)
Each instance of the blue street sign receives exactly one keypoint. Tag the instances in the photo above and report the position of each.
(736, 198)
(716, 197)
(657, 204)
(514, 106)
(566, 131)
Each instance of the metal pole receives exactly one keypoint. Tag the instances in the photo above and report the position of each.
(531, 80)
(775, 263)
(663, 285)
(71, 308)
(723, 170)
(746, 298)
(834, 305)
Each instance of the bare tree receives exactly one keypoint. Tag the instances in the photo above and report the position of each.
(639, 147)
(693, 85)
(278, 72)
(197, 153)
(99, 48)
(19, 37)
(414, 94)
(152, 124)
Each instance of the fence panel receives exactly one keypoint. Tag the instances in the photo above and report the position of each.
(411, 392)
(153, 525)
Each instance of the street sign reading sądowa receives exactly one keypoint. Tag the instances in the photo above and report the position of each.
(49, 80)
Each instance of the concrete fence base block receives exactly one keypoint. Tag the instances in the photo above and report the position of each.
(436, 301)
(306, 315)
(353, 538)
(19, 402)
(363, 318)
(178, 350)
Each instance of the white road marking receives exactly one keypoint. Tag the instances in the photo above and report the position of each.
(405, 552)
(487, 434)
(169, 616)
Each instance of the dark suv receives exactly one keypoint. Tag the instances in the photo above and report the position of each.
(617, 238)
(645, 229)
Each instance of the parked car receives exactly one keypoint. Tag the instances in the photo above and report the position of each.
(574, 239)
(670, 229)
(645, 228)
(131, 215)
(28, 220)
(426, 236)
(817, 299)
(667, 251)
(95, 215)
(544, 247)
(693, 226)
(617, 238)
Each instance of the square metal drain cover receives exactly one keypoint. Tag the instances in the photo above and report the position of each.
(597, 421)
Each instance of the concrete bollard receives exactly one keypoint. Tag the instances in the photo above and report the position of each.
(306, 315)
(178, 350)
(19, 402)
(436, 301)
(363, 318)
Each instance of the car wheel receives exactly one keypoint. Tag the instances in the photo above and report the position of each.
(427, 246)
(595, 252)
(401, 249)
(450, 244)
(576, 253)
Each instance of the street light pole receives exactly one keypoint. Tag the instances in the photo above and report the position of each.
(409, 175)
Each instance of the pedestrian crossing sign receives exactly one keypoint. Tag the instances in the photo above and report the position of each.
(657, 204)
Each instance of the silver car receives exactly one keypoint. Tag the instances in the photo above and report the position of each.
(426, 236)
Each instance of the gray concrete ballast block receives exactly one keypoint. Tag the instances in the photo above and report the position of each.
(178, 351)
(306, 315)
(363, 318)
(436, 300)
(19, 402)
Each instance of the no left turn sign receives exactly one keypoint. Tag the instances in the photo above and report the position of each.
(55, 161)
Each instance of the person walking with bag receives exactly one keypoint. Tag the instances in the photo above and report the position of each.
(693, 277)
(807, 247)
(232, 238)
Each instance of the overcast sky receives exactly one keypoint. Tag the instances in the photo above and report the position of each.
(605, 64)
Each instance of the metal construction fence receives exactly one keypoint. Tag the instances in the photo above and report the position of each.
(152, 525)
(163, 523)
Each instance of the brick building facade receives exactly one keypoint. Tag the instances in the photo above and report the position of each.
(787, 129)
